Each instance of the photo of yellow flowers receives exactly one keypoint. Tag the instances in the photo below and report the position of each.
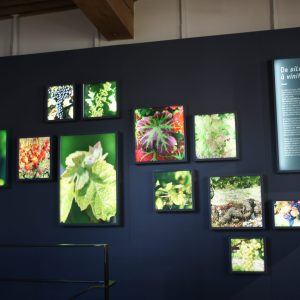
(34, 158)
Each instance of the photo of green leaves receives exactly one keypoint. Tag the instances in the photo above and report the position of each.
(247, 255)
(88, 179)
(3, 158)
(215, 136)
(236, 202)
(173, 191)
(60, 103)
(160, 134)
(100, 100)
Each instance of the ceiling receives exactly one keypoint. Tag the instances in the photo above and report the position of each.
(113, 18)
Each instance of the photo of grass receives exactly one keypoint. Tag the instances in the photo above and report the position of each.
(88, 179)
(286, 213)
(34, 158)
(236, 202)
(3, 158)
(173, 191)
(100, 100)
(215, 136)
(160, 134)
(247, 255)
(60, 103)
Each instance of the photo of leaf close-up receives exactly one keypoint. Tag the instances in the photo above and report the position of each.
(100, 100)
(215, 136)
(60, 103)
(173, 191)
(160, 134)
(88, 179)
(3, 158)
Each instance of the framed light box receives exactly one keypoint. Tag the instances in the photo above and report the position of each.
(100, 100)
(247, 255)
(216, 137)
(3, 158)
(286, 214)
(236, 202)
(89, 194)
(173, 191)
(160, 135)
(60, 103)
(34, 158)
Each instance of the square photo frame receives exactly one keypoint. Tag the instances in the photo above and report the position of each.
(60, 103)
(247, 255)
(3, 158)
(160, 135)
(88, 181)
(236, 202)
(286, 214)
(34, 158)
(173, 191)
(216, 137)
(100, 100)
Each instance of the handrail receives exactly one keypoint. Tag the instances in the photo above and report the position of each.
(96, 284)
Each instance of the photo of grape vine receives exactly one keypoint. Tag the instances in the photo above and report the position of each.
(88, 179)
(215, 136)
(247, 255)
(287, 213)
(173, 191)
(60, 103)
(159, 134)
(100, 100)
(3, 158)
(34, 158)
(236, 202)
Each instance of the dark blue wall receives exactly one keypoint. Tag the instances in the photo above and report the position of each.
(153, 256)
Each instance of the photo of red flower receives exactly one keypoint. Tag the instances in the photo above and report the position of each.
(34, 158)
(159, 134)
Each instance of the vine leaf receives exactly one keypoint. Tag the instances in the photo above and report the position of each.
(66, 198)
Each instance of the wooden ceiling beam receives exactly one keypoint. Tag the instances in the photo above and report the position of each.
(32, 7)
(113, 18)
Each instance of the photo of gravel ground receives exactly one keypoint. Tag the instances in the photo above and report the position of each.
(236, 202)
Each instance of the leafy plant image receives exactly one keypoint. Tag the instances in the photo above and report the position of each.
(173, 191)
(215, 136)
(236, 202)
(100, 100)
(247, 255)
(3, 158)
(34, 158)
(60, 102)
(88, 179)
(286, 213)
(159, 134)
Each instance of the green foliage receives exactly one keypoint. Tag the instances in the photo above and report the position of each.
(100, 100)
(3, 147)
(247, 255)
(234, 182)
(173, 190)
(89, 181)
(215, 136)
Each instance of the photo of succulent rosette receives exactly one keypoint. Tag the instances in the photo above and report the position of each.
(159, 134)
